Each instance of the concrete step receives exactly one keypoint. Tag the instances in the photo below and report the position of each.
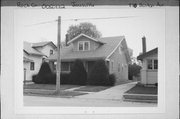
(141, 101)
(140, 97)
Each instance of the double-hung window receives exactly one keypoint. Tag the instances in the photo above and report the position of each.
(83, 45)
(32, 65)
(152, 64)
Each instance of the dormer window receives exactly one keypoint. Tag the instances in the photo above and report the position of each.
(83, 45)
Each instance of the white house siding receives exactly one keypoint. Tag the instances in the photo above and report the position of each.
(120, 65)
(151, 77)
(148, 76)
(46, 50)
(37, 64)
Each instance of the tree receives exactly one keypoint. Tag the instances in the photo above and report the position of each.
(133, 70)
(85, 28)
(78, 74)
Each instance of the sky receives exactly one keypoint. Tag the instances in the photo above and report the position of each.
(35, 25)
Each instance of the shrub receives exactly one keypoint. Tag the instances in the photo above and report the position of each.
(65, 78)
(78, 74)
(156, 84)
(133, 70)
(44, 75)
(112, 80)
(99, 74)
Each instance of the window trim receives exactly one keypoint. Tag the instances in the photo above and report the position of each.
(83, 42)
(152, 64)
(32, 66)
(50, 52)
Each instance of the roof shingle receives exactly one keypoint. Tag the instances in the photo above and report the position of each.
(103, 51)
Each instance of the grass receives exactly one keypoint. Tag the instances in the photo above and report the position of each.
(51, 93)
(92, 88)
(48, 86)
(140, 89)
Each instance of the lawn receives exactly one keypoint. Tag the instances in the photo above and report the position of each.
(140, 89)
(51, 93)
(48, 86)
(92, 88)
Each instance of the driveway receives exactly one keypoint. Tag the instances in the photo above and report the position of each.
(114, 93)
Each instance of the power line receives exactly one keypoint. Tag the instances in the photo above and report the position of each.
(41, 23)
(98, 18)
(79, 19)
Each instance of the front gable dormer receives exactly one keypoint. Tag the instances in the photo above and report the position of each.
(85, 43)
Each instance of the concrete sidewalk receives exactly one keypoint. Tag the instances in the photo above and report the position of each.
(114, 93)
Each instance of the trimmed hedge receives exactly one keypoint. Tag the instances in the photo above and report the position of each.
(52, 79)
(46, 76)
(43, 75)
(78, 74)
(112, 80)
(99, 74)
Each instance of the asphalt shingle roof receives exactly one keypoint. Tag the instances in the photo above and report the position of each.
(41, 44)
(103, 51)
(30, 50)
(151, 52)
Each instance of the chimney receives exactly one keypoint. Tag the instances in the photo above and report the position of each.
(66, 40)
(144, 44)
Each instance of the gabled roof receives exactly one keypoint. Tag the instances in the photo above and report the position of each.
(80, 35)
(27, 47)
(42, 44)
(27, 59)
(151, 52)
(110, 43)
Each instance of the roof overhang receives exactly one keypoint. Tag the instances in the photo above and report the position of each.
(25, 59)
(144, 55)
(50, 42)
(80, 35)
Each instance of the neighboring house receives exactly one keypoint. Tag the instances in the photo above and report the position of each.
(111, 49)
(149, 69)
(33, 56)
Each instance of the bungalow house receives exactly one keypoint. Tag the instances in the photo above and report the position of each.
(113, 50)
(149, 69)
(34, 54)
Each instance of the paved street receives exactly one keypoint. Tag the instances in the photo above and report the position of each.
(111, 97)
(49, 101)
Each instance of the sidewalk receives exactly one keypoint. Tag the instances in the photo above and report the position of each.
(114, 93)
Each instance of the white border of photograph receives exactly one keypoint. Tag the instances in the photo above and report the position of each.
(12, 85)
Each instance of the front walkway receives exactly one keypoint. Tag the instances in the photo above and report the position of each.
(114, 93)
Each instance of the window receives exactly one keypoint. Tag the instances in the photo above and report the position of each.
(83, 45)
(86, 45)
(31, 65)
(119, 67)
(51, 52)
(155, 64)
(152, 64)
(80, 46)
(112, 65)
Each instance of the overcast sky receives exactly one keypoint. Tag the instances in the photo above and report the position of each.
(145, 22)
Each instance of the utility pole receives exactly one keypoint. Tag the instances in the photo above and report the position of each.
(58, 65)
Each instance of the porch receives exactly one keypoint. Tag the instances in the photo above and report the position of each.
(67, 65)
